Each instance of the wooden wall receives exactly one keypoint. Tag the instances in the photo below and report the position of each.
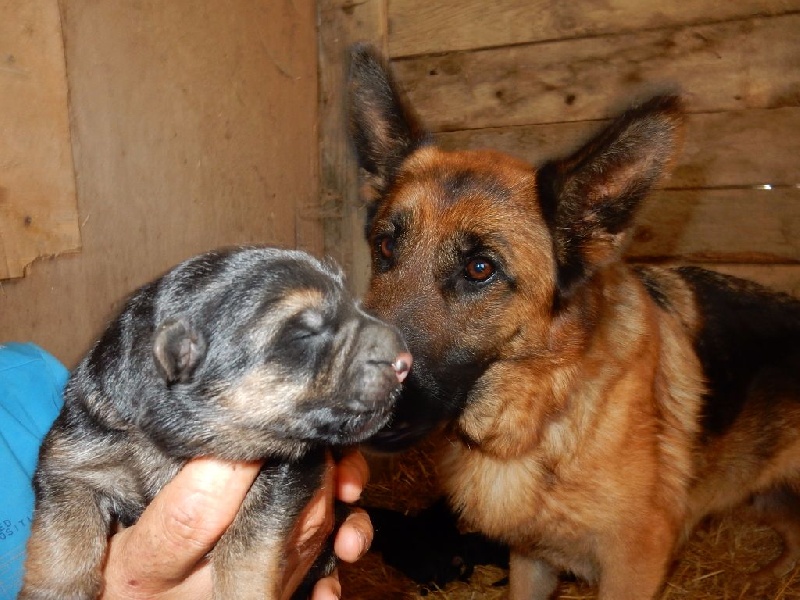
(536, 78)
(193, 126)
(38, 203)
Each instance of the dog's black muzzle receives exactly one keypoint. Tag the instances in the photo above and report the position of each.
(416, 415)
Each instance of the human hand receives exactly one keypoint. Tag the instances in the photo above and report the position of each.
(163, 555)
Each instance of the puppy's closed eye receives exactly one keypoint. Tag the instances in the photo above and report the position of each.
(311, 323)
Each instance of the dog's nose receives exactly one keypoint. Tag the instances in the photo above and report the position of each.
(402, 365)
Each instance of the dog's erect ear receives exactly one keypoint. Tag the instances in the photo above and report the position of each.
(178, 350)
(590, 198)
(383, 128)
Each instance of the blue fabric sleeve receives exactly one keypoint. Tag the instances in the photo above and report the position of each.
(31, 386)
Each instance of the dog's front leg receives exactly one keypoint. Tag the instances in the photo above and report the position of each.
(250, 569)
(67, 544)
(250, 561)
(635, 562)
(638, 578)
(530, 578)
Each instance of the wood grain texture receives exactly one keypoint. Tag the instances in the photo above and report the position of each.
(735, 64)
(720, 67)
(422, 26)
(194, 126)
(341, 25)
(722, 226)
(38, 205)
(735, 148)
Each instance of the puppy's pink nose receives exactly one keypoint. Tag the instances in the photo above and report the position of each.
(402, 365)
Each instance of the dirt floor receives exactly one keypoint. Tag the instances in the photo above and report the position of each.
(717, 564)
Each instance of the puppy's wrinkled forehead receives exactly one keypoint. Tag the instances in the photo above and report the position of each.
(308, 304)
(253, 297)
(300, 299)
(309, 298)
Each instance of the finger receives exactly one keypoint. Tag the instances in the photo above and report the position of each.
(328, 588)
(354, 536)
(181, 525)
(352, 474)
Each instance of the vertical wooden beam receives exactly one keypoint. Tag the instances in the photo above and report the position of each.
(341, 23)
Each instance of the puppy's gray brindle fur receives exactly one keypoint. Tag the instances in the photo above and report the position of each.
(241, 354)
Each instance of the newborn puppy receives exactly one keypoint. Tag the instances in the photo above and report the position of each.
(240, 354)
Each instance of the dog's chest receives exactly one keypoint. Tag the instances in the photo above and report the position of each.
(524, 505)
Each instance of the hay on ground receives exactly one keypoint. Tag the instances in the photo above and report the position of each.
(717, 564)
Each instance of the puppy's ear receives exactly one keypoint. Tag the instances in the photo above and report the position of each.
(383, 128)
(178, 350)
(590, 198)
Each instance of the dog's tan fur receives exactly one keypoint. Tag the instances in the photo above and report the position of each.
(577, 405)
(607, 464)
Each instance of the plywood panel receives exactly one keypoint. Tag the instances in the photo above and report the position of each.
(726, 226)
(194, 127)
(735, 148)
(38, 208)
(721, 67)
(422, 26)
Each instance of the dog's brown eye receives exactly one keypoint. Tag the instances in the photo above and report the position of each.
(479, 269)
(386, 246)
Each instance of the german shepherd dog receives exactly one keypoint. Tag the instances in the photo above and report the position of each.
(242, 354)
(593, 412)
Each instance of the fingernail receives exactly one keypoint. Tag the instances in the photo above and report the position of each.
(349, 492)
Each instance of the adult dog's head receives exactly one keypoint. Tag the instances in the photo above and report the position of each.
(483, 260)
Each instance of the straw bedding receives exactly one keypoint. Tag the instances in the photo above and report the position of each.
(718, 562)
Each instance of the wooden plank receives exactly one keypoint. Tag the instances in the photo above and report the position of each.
(422, 26)
(736, 148)
(752, 63)
(194, 126)
(340, 26)
(722, 226)
(38, 206)
(779, 277)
